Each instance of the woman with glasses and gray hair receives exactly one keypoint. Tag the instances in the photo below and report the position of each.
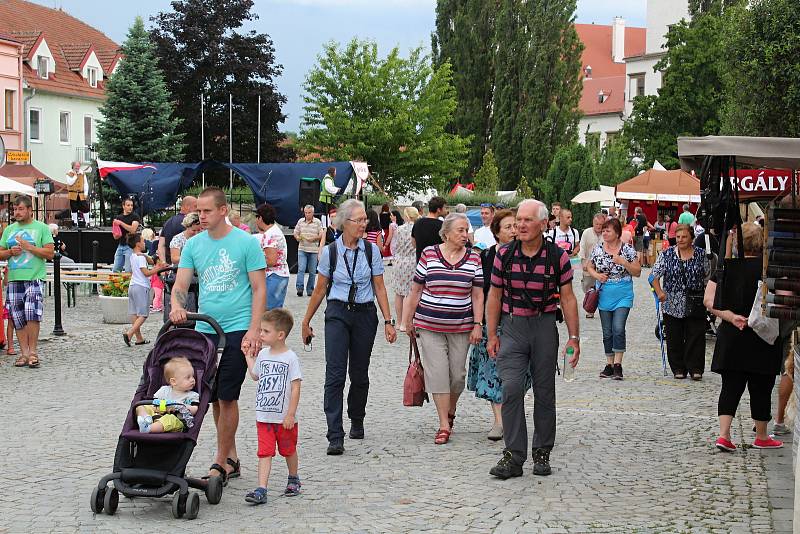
(352, 277)
(445, 311)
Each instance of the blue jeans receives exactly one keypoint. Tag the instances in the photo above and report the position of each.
(122, 258)
(306, 263)
(613, 323)
(276, 290)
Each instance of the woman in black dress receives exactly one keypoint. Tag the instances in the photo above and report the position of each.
(740, 355)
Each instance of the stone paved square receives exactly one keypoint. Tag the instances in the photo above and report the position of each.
(631, 456)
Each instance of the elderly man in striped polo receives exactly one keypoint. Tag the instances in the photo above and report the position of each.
(529, 278)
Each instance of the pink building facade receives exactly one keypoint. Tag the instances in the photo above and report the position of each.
(11, 116)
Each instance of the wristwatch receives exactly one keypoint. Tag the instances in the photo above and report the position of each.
(576, 338)
(476, 323)
(388, 322)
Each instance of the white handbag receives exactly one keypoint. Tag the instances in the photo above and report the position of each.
(767, 328)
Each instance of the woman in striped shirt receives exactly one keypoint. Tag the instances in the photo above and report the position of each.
(447, 295)
(374, 234)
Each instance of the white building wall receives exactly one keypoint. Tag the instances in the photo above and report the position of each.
(652, 80)
(602, 124)
(49, 154)
(661, 14)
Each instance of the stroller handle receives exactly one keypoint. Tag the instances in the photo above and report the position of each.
(198, 317)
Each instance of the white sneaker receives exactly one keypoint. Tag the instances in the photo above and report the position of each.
(780, 429)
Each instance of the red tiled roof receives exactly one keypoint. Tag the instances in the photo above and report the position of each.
(606, 75)
(67, 38)
(10, 38)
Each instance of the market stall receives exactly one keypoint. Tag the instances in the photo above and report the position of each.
(658, 193)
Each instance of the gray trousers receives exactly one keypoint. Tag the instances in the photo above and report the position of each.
(528, 343)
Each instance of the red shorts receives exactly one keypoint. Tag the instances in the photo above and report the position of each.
(271, 433)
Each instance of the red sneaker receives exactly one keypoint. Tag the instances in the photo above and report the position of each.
(725, 445)
(770, 443)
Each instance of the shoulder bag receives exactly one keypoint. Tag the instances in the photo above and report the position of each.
(414, 383)
(591, 299)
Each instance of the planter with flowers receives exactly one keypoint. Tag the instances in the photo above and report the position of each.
(114, 299)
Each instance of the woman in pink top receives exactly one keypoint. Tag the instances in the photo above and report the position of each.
(374, 233)
(671, 227)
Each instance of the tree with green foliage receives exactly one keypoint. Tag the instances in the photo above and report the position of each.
(138, 122)
(538, 85)
(464, 37)
(762, 46)
(692, 95)
(572, 172)
(391, 112)
(487, 180)
(613, 163)
(204, 54)
(524, 190)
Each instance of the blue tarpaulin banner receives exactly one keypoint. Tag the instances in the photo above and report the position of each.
(156, 185)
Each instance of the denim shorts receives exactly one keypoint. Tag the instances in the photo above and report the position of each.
(276, 290)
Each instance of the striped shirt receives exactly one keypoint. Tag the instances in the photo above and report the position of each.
(446, 302)
(528, 273)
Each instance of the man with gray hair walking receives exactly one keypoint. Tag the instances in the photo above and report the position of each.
(529, 278)
(310, 235)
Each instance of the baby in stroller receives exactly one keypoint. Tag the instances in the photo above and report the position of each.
(180, 399)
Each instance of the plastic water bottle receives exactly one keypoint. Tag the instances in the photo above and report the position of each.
(569, 371)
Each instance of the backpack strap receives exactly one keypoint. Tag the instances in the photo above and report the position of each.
(333, 257)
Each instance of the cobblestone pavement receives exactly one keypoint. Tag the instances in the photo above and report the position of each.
(631, 456)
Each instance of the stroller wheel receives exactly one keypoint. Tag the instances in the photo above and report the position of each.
(98, 496)
(111, 501)
(178, 505)
(214, 490)
(192, 506)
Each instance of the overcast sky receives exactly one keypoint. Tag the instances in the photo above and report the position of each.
(300, 27)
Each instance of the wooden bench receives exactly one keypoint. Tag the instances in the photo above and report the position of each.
(70, 278)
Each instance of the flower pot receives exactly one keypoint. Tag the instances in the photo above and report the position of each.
(115, 310)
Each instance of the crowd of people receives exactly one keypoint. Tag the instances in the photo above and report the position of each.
(482, 304)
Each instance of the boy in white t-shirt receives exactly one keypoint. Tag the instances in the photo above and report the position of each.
(138, 290)
(277, 371)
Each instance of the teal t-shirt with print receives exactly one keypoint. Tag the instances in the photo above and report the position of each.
(26, 266)
(222, 267)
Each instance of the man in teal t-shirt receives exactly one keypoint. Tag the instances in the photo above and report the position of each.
(26, 244)
(686, 217)
(233, 290)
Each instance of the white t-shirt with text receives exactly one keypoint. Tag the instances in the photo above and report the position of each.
(276, 372)
(565, 240)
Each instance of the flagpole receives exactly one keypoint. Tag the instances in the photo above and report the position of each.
(202, 136)
(230, 139)
(259, 129)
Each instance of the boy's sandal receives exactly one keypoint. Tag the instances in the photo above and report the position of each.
(142, 342)
(222, 473)
(11, 352)
(22, 361)
(442, 436)
(237, 468)
(33, 361)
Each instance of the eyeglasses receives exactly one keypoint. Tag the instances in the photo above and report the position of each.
(358, 221)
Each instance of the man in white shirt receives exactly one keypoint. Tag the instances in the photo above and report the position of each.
(484, 233)
(589, 239)
(564, 235)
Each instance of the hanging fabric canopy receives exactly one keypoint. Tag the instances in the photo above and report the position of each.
(155, 186)
(665, 186)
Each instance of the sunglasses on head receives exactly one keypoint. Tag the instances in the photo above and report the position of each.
(487, 205)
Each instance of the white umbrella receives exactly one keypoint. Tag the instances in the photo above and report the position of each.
(593, 196)
(10, 187)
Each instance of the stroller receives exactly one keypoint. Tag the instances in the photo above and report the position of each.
(167, 276)
(154, 465)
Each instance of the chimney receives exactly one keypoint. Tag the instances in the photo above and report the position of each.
(618, 40)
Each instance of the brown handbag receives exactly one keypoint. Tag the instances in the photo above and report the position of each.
(591, 299)
(414, 384)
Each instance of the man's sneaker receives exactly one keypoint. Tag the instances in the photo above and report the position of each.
(292, 487)
(617, 371)
(257, 496)
(607, 372)
(356, 429)
(725, 445)
(769, 443)
(779, 429)
(541, 462)
(335, 448)
(506, 467)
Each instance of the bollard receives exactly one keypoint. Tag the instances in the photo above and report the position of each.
(95, 246)
(58, 330)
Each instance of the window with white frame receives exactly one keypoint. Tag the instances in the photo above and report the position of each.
(636, 86)
(63, 127)
(91, 73)
(87, 130)
(8, 121)
(35, 125)
(42, 67)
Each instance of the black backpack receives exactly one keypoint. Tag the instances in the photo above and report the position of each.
(333, 256)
